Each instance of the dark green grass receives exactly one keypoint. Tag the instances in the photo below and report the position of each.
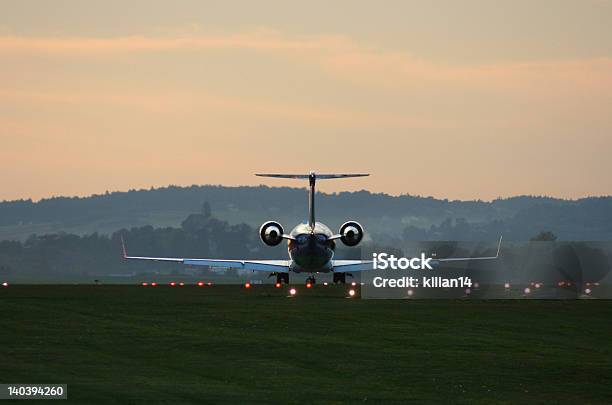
(125, 344)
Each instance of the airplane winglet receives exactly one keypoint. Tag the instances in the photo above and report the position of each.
(123, 247)
(499, 245)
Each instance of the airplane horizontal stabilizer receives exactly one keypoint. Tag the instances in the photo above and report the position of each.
(307, 176)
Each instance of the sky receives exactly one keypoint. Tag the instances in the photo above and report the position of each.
(459, 100)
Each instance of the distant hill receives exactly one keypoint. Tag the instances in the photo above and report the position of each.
(388, 217)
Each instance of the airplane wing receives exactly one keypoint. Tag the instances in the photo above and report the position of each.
(278, 266)
(463, 259)
(345, 266)
(350, 266)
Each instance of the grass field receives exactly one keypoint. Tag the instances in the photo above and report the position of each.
(126, 344)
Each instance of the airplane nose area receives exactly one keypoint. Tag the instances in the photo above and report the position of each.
(313, 247)
(311, 253)
(312, 241)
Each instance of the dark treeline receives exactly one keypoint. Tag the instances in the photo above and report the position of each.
(60, 256)
(67, 256)
(64, 257)
(254, 199)
(583, 220)
(385, 217)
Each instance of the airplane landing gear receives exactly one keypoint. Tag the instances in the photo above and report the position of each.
(339, 278)
(310, 281)
(281, 278)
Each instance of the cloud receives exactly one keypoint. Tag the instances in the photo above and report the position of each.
(262, 39)
(177, 102)
(346, 59)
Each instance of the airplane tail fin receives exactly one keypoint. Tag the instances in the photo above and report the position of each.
(312, 178)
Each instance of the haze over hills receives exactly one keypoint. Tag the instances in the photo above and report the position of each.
(384, 216)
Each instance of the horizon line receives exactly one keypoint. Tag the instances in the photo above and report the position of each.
(153, 188)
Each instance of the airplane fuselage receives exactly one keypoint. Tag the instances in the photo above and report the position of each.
(310, 250)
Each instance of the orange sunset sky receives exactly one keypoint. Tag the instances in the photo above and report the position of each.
(454, 99)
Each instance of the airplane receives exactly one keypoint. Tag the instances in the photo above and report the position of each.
(310, 245)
